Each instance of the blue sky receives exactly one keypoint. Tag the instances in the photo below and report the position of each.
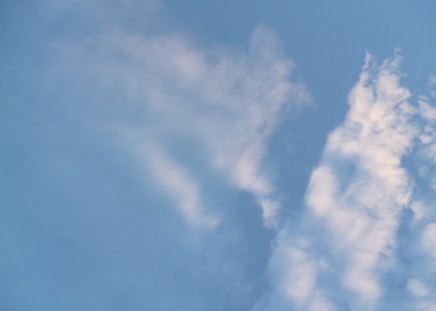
(232, 155)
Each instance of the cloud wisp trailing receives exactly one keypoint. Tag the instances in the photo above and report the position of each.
(147, 149)
(348, 251)
(219, 102)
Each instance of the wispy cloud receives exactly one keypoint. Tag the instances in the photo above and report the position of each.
(347, 251)
(218, 101)
(154, 145)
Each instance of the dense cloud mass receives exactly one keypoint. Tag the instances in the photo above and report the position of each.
(366, 240)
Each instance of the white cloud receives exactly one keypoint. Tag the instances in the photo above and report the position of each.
(178, 183)
(195, 120)
(356, 201)
(429, 239)
(417, 288)
(221, 102)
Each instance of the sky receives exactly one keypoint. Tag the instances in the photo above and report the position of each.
(218, 155)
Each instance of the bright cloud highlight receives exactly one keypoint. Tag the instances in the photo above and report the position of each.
(347, 251)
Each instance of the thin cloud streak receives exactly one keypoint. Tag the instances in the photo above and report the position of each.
(158, 144)
(221, 102)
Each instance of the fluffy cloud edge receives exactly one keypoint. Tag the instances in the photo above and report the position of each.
(348, 243)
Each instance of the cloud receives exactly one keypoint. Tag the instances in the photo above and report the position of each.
(219, 102)
(349, 250)
(176, 181)
(126, 128)
(141, 153)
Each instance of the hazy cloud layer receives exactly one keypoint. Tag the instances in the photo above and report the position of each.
(140, 154)
(220, 102)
